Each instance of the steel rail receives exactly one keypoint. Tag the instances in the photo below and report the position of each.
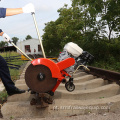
(105, 74)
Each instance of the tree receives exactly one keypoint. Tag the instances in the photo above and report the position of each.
(111, 16)
(63, 30)
(89, 23)
(70, 27)
(28, 37)
(50, 40)
(104, 13)
(3, 44)
(88, 15)
(15, 40)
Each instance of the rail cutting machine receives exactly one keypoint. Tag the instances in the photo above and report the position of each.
(43, 76)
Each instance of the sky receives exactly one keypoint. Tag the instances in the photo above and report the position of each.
(22, 25)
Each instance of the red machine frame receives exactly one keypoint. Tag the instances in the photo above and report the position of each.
(57, 69)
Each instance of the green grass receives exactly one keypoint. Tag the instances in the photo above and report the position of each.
(8, 54)
(14, 72)
(108, 64)
(3, 96)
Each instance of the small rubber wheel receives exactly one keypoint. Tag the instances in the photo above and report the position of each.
(69, 86)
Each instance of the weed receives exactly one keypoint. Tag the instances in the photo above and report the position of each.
(3, 96)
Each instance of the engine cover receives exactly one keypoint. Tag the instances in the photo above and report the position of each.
(73, 49)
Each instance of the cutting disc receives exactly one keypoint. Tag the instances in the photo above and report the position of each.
(39, 78)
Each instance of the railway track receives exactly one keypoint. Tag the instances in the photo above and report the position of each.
(96, 92)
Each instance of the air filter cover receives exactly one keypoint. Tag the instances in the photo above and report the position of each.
(73, 49)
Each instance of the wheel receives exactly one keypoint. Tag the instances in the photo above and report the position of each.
(69, 86)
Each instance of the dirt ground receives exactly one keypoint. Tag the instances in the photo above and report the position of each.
(90, 116)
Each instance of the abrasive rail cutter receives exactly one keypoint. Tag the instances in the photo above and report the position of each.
(43, 76)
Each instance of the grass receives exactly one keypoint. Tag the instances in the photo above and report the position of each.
(15, 73)
(8, 54)
(3, 96)
(108, 64)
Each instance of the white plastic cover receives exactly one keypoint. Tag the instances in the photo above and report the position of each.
(73, 48)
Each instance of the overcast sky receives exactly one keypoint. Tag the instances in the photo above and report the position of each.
(21, 25)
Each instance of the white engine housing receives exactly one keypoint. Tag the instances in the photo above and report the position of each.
(73, 49)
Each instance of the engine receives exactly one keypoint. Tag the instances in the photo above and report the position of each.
(73, 50)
